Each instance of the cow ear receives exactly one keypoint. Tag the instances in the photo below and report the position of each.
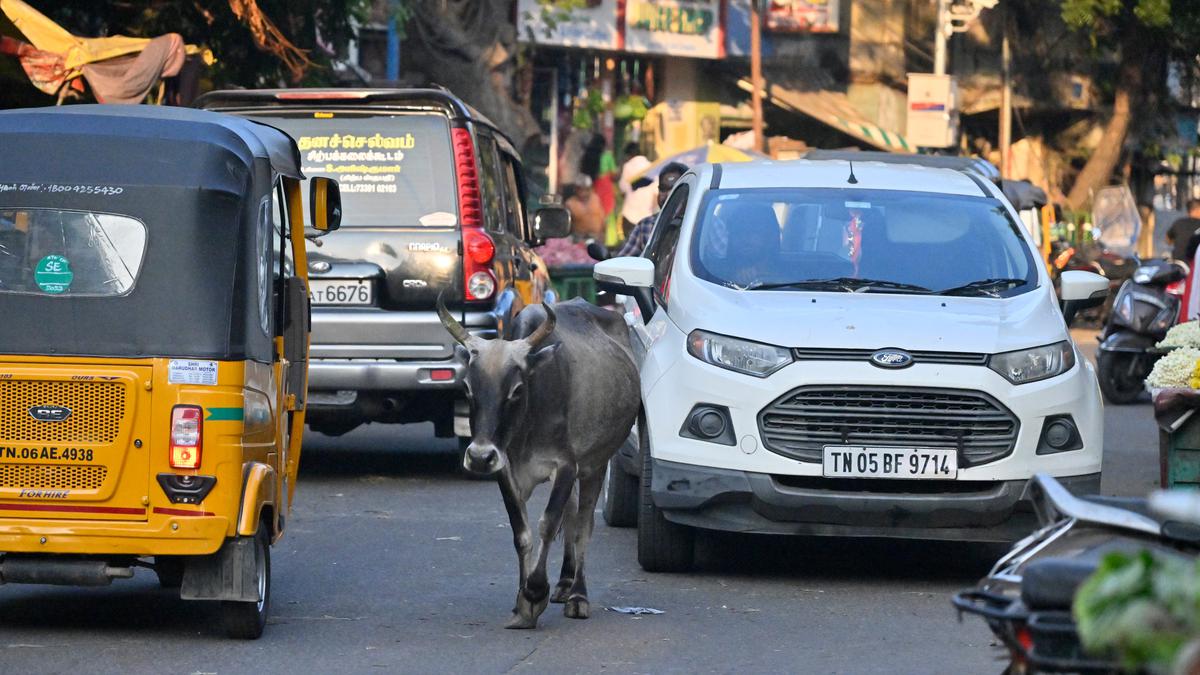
(542, 356)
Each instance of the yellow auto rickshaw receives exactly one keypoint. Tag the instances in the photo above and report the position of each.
(154, 331)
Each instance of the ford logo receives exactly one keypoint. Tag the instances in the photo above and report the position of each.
(49, 413)
(892, 358)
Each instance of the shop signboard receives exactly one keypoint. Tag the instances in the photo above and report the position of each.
(802, 16)
(932, 110)
(675, 27)
(591, 24)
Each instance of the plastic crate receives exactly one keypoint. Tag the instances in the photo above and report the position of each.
(1180, 454)
(573, 281)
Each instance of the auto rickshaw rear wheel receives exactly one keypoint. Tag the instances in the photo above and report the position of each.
(169, 569)
(246, 620)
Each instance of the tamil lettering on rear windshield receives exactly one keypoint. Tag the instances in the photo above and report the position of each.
(393, 170)
(65, 253)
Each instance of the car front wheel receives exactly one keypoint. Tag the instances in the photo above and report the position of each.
(663, 546)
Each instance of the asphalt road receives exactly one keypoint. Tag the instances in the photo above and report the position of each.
(393, 563)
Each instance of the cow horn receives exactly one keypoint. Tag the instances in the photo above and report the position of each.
(452, 325)
(543, 331)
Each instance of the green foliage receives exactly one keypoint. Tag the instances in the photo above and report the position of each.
(551, 13)
(1141, 608)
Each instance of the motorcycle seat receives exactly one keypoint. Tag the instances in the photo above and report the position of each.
(1051, 583)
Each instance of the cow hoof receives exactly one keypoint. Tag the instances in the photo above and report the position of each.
(519, 622)
(577, 608)
(561, 591)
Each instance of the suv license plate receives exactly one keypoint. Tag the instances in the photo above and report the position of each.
(341, 291)
(847, 461)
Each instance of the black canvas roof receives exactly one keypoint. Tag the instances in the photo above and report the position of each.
(165, 126)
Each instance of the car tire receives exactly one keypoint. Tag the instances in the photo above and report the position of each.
(663, 546)
(1117, 387)
(620, 496)
(169, 569)
(246, 620)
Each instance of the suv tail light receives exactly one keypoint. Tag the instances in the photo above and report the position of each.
(479, 283)
(187, 436)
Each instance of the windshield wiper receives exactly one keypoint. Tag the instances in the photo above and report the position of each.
(846, 284)
(989, 287)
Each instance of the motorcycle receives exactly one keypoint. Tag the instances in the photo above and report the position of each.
(1144, 310)
(1027, 596)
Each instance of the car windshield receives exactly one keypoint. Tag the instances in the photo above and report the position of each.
(69, 253)
(393, 170)
(845, 240)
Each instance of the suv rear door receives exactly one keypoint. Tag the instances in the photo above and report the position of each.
(398, 246)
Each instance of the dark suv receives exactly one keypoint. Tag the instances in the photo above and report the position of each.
(434, 203)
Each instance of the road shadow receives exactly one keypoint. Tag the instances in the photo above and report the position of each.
(845, 559)
(126, 606)
(393, 450)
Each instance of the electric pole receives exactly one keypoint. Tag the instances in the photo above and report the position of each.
(756, 79)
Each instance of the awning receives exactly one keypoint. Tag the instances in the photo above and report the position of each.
(834, 109)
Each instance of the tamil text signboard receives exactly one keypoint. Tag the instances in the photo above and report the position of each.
(802, 16)
(674, 27)
(590, 25)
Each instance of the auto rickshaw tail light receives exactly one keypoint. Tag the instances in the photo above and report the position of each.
(187, 436)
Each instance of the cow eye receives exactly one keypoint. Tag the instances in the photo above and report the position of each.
(516, 388)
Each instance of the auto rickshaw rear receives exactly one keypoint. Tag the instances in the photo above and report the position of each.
(153, 350)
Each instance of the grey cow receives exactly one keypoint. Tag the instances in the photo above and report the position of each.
(554, 403)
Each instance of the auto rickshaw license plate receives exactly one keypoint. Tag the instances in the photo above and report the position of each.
(341, 291)
(863, 462)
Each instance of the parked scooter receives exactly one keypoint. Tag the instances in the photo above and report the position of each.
(1026, 598)
(1144, 310)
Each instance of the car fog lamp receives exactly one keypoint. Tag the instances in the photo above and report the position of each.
(1058, 433)
(1030, 365)
(742, 356)
(707, 423)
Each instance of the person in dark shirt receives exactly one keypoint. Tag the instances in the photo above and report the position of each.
(1183, 231)
(639, 236)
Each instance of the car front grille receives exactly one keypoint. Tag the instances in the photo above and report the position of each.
(953, 358)
(802, 422)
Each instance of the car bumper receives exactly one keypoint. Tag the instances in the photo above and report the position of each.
(749, 502)
(379, 375)
(673, 383)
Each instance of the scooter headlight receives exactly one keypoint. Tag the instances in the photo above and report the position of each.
(1031, 365)
(743, 356)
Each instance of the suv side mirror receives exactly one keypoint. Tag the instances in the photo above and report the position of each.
(1079, 290)
(551, 222)
(324, 204)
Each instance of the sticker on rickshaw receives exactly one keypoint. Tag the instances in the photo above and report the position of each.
(184, 371)
(53, 274)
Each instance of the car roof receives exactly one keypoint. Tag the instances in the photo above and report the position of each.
(243, 100)
(977, 164)
(157, 125)
(803, 173)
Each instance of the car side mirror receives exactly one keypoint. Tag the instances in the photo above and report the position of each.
(1079, 290)
(324, 204)
(551, 222)
(628, 276)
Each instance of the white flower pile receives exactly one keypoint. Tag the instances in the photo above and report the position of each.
(1183, 335)
(1174, 369)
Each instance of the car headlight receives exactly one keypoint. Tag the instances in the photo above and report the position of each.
(743, 356)
(1031, 365)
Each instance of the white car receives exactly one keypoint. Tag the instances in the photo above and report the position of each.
(837, 349)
